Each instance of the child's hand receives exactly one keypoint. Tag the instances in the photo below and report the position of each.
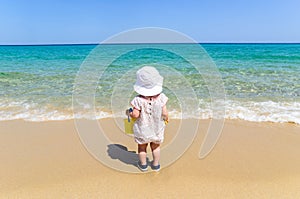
(166, 119)
(165, 114)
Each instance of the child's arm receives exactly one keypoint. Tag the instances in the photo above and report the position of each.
(165, 113)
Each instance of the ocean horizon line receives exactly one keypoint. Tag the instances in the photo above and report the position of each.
(94, 44)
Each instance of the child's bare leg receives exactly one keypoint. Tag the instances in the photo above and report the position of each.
(142, 150)
(155, 152)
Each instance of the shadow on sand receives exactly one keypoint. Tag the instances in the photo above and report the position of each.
(120, 152)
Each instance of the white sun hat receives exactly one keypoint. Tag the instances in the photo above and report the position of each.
(148, 81)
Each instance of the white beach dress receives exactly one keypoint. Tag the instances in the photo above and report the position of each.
(150, 126)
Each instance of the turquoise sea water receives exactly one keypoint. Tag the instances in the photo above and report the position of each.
(262, 81)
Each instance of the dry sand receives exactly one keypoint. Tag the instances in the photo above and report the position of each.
(250, 160)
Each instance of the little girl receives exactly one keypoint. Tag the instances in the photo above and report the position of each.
(149, 107)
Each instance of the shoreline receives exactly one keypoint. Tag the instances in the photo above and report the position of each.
(95, 44)
(173, 119)
(250, 160)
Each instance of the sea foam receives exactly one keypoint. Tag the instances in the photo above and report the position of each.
(266, 111)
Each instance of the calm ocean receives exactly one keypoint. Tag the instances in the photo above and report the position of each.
(262, 81)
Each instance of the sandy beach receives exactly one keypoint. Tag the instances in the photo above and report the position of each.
(250, 160)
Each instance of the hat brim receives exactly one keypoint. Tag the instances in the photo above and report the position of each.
(148, 92)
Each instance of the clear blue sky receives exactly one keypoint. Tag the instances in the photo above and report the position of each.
(91, 21)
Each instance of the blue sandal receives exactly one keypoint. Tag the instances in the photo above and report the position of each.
(155, 168)
(142, 167)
